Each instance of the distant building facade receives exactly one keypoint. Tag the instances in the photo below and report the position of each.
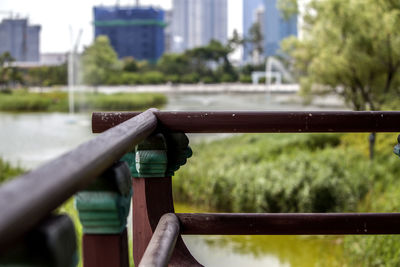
(168, 39)
(250, 8)
(273, 26)
(195, 23)
(20, 39)
(133, 31)
(276, 27)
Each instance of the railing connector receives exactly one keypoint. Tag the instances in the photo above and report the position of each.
(396, 149)
(154, 162)
(52, 243)
(160, 155)
(103, 210)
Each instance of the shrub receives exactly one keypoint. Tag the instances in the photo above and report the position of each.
(190, 78)
(153, 77)
(245, 79)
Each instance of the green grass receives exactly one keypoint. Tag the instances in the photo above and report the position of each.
(22, 101)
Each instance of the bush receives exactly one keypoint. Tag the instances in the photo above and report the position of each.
(172, 78)
(7, 172)
(261, 173)
(208, 79)
(190, 78)
(227, 78)
(245, 79)
(58, 101)
(153, 77)
(130, 78)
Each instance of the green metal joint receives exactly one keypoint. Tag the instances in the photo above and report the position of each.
(396, 149)
(103, 212)
(159, 155)
(104, 207)
(52, 243)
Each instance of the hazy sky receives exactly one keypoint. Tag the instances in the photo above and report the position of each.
(57, 17)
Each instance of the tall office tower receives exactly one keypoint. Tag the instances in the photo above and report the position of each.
(133, 31)
(276, 28)
(20, 40)
(168, 31)
(197, 22)
(250, 8)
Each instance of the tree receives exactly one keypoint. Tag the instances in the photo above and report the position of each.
(256, 38)
(8, 73)
(214, 53)
(351, 48)
(174, 64)
(99, 62)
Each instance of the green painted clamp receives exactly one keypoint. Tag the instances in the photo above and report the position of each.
(159, 155)
(104, 207)
(52, 243)
(396, 149)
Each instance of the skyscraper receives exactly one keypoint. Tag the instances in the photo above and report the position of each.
(196, 23)
(249, 18)
(276, 28)
(133, 31)
(20, 40)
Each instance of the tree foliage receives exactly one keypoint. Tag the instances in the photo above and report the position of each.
(99, 61)
(351, 48)
(8, 74)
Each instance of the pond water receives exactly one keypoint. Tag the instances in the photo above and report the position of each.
(30, 139)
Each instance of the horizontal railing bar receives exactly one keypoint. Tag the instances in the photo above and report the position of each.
(162, 243)
(262, 122)
(289, 223)
(25, 200)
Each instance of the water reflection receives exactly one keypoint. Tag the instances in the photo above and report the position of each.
(255, 250)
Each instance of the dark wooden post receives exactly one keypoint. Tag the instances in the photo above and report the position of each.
(51, 243)
(156, 159)
(103, 210)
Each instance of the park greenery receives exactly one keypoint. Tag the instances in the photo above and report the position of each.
(350, 48)
(299, 173)
(22, 100)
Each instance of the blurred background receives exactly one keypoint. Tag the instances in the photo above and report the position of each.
(61, 60)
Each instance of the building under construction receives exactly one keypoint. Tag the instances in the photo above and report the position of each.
(133, 31)
(20, 39)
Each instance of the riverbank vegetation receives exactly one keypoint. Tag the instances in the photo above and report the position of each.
(298, 173)
(22, 100)
(293, 173)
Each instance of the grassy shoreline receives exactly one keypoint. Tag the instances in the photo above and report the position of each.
(23, 101)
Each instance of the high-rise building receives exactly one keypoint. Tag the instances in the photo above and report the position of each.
(196, 23)
(168, 31)
(277, 27)
(272, 23)
(250, 8)
(133, 31)
(20, 40)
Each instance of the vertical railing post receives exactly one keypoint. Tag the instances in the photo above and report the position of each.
(103, 209)
(154, 162)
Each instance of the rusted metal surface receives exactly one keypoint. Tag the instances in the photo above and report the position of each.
(100, 250)
(152, 198)
(27, 199)
(162, 243)
(289, 223)
(262, 122)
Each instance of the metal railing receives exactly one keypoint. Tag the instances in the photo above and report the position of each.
(155, 153)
